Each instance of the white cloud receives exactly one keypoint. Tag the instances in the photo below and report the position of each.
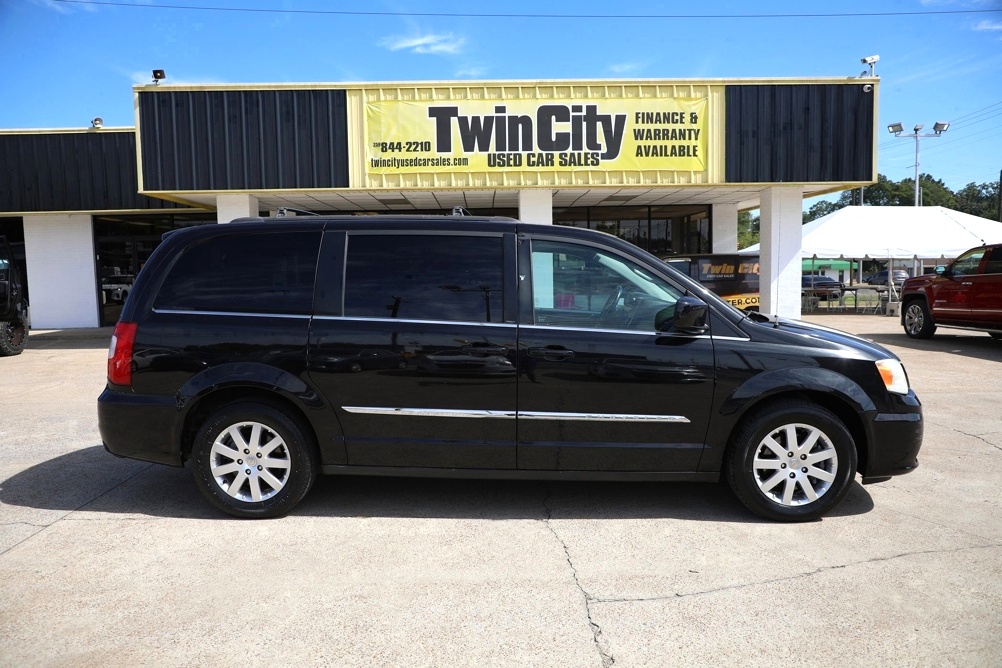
(471, 71)
(436, 44)
(989, 25)
(625, 68)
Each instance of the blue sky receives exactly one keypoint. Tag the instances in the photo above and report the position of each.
(67, 62)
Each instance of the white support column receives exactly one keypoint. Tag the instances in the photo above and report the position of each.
(62, 270)
(725, 228)
(235, 205)
(782, 239)
(536, 206)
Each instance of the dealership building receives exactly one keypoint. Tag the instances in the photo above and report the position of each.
(664, 164)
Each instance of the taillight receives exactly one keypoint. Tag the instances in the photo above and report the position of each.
(120, 353)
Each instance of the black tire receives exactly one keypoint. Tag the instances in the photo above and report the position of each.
(13, 337)
(785, 495)
(917, 321)
(294, 462)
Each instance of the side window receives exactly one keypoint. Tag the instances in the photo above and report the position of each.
(994, 264)
(425, 277)
(250, 273)
(968, 262)
(581, 286)
(5, 260)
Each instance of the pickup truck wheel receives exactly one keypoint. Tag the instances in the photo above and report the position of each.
(792, 461)
(253, 460)
(917, 321)
(13, 337)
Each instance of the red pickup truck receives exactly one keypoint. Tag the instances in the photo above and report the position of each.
(966, 294)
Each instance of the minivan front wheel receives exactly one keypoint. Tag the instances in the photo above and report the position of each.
(253, 460)
(793, 462)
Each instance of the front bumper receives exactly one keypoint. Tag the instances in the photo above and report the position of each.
(895, 440)
(140, 427)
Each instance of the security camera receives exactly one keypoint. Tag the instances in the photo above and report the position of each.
(867, 88)
(869, 60)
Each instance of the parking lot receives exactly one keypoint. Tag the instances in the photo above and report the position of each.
(105, 561)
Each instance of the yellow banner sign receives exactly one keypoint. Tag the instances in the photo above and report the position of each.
(535, 135)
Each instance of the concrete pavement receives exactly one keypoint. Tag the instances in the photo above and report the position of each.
(106, 561)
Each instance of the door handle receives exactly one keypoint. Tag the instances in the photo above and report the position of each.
(485, 350)
(551, 353)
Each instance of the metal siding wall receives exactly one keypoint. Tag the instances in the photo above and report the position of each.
(243, 140)
(71, 171)
(810, 133)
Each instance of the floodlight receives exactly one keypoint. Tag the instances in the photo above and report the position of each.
(895, 128)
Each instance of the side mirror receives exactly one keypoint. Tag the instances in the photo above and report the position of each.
(688, 316)
(940, 270)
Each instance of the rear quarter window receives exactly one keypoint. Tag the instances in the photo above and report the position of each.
(270, 272)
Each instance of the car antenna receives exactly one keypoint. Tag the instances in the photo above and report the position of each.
(283, 211)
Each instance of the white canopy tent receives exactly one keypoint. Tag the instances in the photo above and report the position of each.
(894, 232)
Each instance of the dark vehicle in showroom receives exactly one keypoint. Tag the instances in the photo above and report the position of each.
(13, 303)
(965, 294)
(824, 287)
(540, 352)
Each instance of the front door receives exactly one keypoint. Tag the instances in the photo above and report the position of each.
(986, 291)
(600, 388)
(419, 359)
(10, 286)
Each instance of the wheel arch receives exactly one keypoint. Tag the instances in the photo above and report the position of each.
(842, 409)
(824, 387)
(201, 408)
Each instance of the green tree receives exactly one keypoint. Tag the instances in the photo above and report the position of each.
(748, 230)
(979, 199)
(821, 209)
(934, 192)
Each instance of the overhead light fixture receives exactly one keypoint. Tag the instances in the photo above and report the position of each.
(97, 123)
(158, 75)
(939, 128)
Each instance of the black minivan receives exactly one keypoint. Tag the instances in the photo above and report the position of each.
(267, 351)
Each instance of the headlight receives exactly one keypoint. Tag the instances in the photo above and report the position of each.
(894, 376)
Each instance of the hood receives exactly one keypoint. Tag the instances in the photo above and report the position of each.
(775, 329)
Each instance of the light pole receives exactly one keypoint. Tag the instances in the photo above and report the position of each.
(938, 129)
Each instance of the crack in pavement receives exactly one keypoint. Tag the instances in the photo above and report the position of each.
(816, 571)
(27, 524)
(960, 431)
(43, 527)
(596, 631)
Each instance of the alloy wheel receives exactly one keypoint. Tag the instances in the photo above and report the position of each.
(250, 461)
(795, 464)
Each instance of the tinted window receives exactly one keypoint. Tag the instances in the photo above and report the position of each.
(969, 262)
(424, 277)
(580, 286)
(994, 264)
(253, 273)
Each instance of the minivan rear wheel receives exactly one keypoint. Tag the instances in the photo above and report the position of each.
(793, 461)
(253, 460)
